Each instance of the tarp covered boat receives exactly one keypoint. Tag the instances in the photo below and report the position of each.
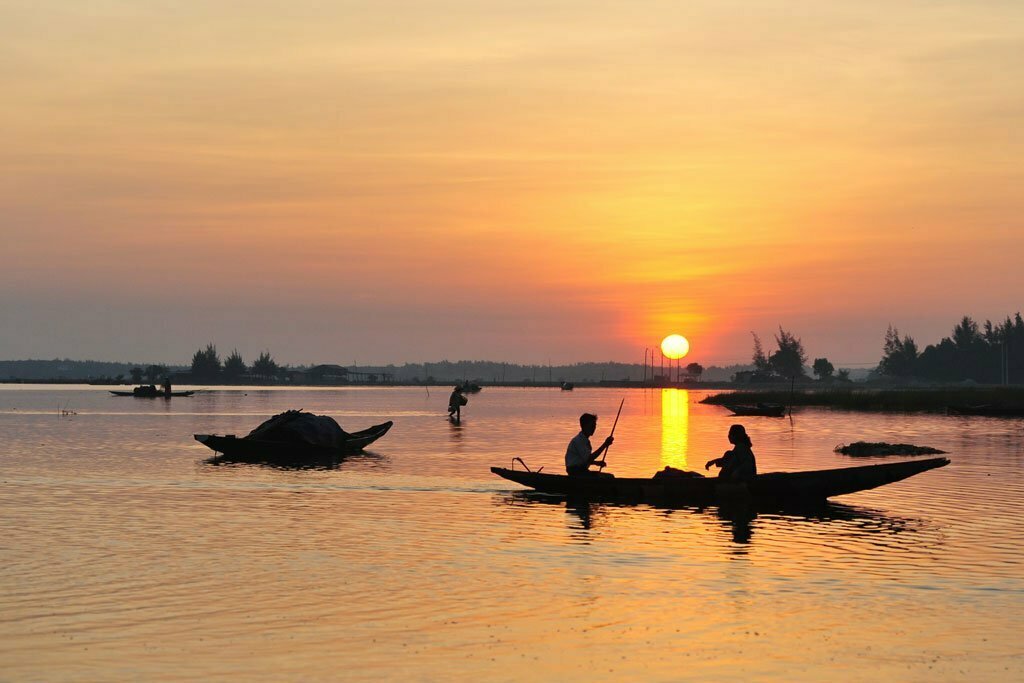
(293, 437)
(690, 488)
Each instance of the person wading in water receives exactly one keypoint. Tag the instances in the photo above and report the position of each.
(455, 403)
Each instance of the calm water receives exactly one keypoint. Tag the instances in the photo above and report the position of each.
(126, 556)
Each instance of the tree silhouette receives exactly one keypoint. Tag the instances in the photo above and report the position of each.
(264, 366)
(761, 363)
(966, 335)
(234, 366)
(967, 354)
(154, 373)
(695, 370)
(206, 363)
(136, 375)
(789, 360)
(899, 356)
(823, 369)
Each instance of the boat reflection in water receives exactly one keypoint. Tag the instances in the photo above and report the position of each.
(302, 462)
(740, 521)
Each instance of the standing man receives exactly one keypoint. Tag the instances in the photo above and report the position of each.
(578, 456)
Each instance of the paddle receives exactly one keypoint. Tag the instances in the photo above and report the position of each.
(604, 456)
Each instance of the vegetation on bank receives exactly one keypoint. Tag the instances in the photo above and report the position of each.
(990, 353)
(987, 353)
(936, 399)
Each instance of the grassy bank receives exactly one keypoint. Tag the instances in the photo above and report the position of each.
(933, 399)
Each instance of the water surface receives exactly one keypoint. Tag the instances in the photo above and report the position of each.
(125, 555)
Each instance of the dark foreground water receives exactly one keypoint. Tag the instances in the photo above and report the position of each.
(124, 556)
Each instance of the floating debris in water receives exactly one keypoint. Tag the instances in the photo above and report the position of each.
(865, 448)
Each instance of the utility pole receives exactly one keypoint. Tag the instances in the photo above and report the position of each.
(1002, 363)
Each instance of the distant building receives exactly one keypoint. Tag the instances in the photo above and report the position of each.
(328, 374)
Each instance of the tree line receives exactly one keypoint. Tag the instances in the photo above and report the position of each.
(991, 353)
(988, 353)
(787, 362)
(207, 366)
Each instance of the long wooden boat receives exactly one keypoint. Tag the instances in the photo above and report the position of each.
(245, 449)
(761, 409)
(150, 394)
(777, 488)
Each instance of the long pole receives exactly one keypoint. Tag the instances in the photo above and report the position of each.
(614, 425)
(792, 389)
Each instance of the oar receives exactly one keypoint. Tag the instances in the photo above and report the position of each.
(604, 456)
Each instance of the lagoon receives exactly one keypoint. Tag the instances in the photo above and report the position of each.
(127, 556)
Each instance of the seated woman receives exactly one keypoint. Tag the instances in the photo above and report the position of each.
(737, 464)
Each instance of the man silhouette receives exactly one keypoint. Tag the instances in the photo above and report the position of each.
(578, 455)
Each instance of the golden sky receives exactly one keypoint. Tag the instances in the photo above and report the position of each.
(525, 181)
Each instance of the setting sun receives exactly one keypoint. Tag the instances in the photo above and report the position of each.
(675, 346)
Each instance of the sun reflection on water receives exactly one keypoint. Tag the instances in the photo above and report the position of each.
(675, 427)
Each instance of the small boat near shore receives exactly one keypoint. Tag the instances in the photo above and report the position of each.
(151, 391)
(691, 488)
(293, 438)
(760, 409)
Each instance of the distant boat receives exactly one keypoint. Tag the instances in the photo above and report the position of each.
(151, 391)
(986, 410)
(690, 488)
(567, 386)
(470, 387)
(293, 438)
(761, 409)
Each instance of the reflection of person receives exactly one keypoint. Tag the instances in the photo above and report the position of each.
(737, 464)
(455, 403)
(578, 456)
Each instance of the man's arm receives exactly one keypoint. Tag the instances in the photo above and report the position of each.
(601, 449)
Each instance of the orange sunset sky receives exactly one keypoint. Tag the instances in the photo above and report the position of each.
(528, 181)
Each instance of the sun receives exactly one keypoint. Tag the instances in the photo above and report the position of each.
(675, 346)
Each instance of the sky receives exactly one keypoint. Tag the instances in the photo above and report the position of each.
(536, 182)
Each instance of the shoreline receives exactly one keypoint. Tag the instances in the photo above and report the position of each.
(881, 399)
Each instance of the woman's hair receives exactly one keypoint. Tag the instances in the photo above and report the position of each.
(738, 435)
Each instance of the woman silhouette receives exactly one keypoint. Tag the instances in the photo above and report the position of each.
(739, 463)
